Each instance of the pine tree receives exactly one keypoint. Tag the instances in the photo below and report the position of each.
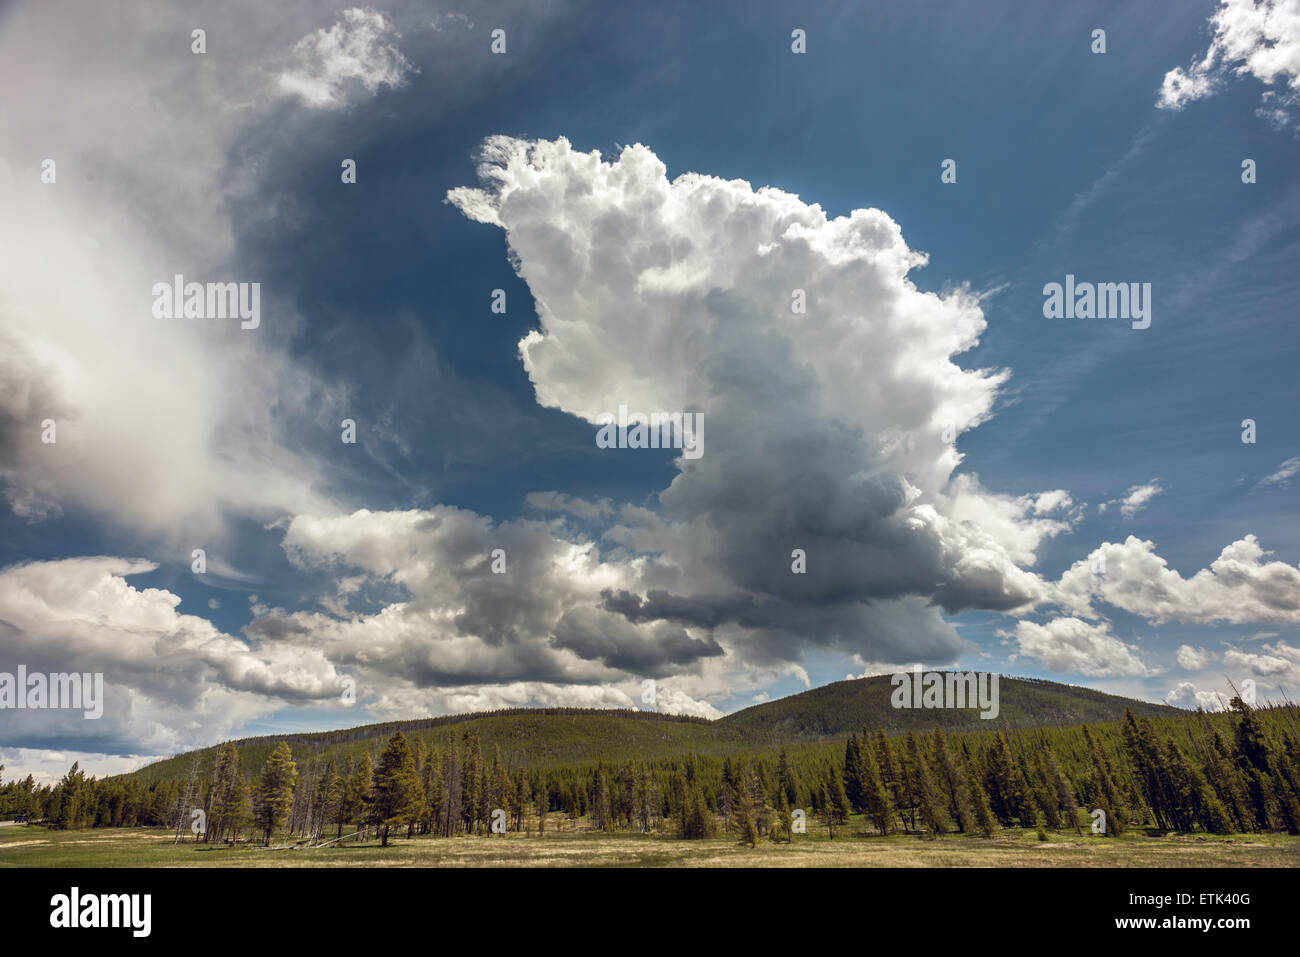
(417, 754)
(471, 780)
(1197, 799)
(984, 818)
(396, 795)
(485, 805)
(836, 800)
(785, 780)
(1009, 793)
(910, 775)
(784, 830)
(953, 780)
(1272, 795)
(72, 795)
(1259, 790)
(1288, 807)
(891, 774)
(998, 782)
(875, 797)
(727, 795)
(520, 805)
(1226, 781)
(622, 796)
(180, 814)
(275, 790)
(326, 794)
(1289, 762)
(359, 792)
(451, 810)
(229, 805)
(431, 778)
(1252, 746)
(929, 801)
(1024, 793)
(1106, 789)
(1153, 771)
(498, 785)
(601, 817)
(752, 795)
(853, 772)
(695, 823)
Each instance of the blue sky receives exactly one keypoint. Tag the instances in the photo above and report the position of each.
(183, 434)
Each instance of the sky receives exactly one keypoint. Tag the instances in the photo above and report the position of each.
(826, 233)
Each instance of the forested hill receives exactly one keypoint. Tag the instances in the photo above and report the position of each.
(537, 737)
(554, 737)
(844, 707)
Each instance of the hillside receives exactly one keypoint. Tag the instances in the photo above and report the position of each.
(847, 706)
(542, 738)
(555, 737)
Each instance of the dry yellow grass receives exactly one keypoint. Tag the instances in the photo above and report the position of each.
(584, 848)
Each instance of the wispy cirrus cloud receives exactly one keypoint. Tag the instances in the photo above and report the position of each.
(1282, 475)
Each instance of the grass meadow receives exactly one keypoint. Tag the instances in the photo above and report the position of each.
(574, 844)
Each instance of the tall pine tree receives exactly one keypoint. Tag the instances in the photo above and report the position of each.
(275, 790)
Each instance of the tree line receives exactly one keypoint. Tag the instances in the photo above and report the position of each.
(1223, 773)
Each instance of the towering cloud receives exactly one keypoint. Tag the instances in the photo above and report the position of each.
(831, 428)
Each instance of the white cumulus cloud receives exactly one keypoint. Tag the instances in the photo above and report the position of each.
(1074, 646)
(1194, 659)
(359, 49)
(1280, 663)
(1259, 38)
(171, 680)
(1240, 586)
(1186, 695)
